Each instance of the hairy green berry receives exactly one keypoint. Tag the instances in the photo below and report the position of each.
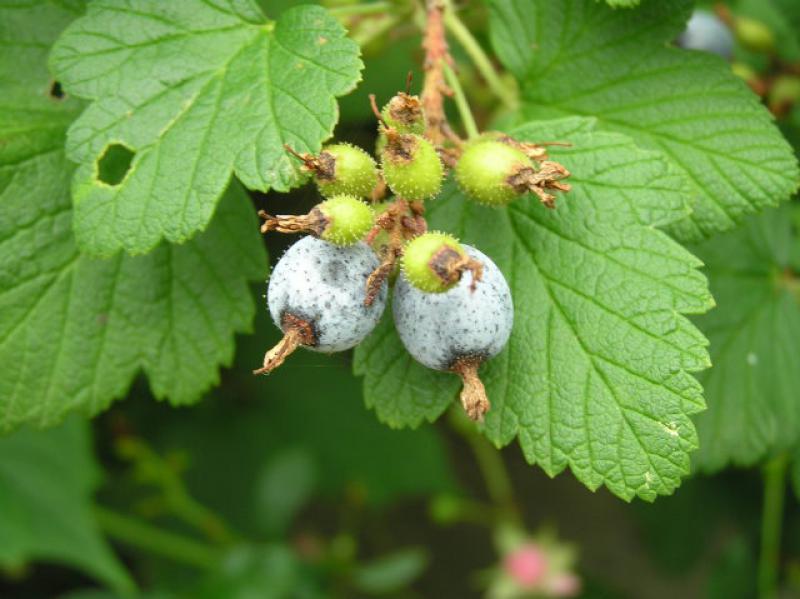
(754, 35)
(411, 167)
(434, 262)
(345, 169)
(487, 171)
(348, 219)
(341, 220)
(404, 114)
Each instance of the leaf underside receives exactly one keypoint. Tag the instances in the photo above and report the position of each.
(580, 57)
(596, 374)
(752, 388)
(197, 90)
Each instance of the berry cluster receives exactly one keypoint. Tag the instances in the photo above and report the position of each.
(451, 304)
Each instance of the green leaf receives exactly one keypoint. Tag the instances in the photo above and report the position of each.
(46, 484)
(196, 90)
(391, 573)
(755, 344)
(74, 331)
(283, 487)
(579, 57)
(622, 3)
(267, 572)
(596, 374)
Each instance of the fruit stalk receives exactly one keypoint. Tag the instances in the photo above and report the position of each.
(437, 54)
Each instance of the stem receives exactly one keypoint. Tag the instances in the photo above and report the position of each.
(771, 523)
(506, 94)
(461, 102)
(491, 465)
(437, 54)
(146, 537)
(372, 8)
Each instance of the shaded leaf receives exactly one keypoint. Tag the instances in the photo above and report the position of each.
(755, 344)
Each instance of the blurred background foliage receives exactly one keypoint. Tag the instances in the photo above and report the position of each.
(287, 486)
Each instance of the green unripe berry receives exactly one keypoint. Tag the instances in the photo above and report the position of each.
(486, 168)
(754, 34)
(785, 91)
(347, 219)
(430, 262)
(404, 114)
(345, 169)
(411, 167)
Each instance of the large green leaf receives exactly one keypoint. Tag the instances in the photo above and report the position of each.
(197, 90)
(46, 485)
(75, 330)
(596, 374)
(752, 390)
(579, 57)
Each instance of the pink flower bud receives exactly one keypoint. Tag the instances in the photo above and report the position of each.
(526, 565)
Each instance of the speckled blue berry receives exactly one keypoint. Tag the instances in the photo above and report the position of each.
(324, 285)
(439, 329)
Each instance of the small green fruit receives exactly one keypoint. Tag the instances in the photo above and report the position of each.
(345, 169)
(754, 35)
(404, 114)
(433, 262)
(347, 219)
(486, 169)
(411, 167)
(785, 91)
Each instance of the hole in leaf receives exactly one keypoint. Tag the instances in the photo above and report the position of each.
(114, 163)
(56, 91)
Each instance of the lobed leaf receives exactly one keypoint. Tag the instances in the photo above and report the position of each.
(596, 374)
(752, 388)
(195, 90)
(579, 57)
(74, 330)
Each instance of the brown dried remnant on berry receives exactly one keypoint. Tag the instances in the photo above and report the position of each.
(314, 222)
(404, 113)
(473, 393)
(548, 176)
(448, 265)
(297, 332)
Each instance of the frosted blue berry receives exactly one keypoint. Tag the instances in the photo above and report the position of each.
(705, 31)
(459, 329)
(316, 297)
